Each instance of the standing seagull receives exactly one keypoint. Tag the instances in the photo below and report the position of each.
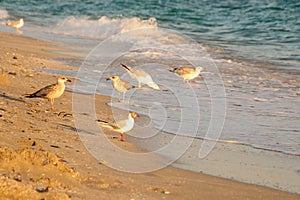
(120, 85)
(122, 126)
(187, 73)
(17, 24)
(141, 76)
(51, 91)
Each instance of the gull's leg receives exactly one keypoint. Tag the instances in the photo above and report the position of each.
(119, 96)
(52, 104)
(122, 137)
(123, 96)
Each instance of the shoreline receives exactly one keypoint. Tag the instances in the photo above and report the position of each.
(42, 154)
(236, 162)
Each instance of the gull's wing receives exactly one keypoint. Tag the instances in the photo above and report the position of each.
(142, 73)
(184, 70)
(13, 23)
(126, 84)
(44, 91)
(108, 125)
(121, 123)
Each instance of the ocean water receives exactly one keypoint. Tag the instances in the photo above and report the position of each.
(250, 51)
(257, 31)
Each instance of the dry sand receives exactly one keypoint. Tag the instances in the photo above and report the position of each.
(42, 157)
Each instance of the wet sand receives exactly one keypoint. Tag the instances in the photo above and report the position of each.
(41, 155)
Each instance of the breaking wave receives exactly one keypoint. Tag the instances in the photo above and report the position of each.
(101, 28)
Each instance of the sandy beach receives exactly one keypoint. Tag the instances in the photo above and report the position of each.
(42, 156)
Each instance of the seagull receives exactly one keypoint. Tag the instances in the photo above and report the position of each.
(120, 85)
(187, 73)
(17, 24)
(121, 126)
(141, 76)
(51, 91)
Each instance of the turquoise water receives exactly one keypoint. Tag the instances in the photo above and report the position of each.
(264, 32)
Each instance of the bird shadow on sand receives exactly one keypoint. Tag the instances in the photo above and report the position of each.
(11, 98)
(68, 90)
(71, 128)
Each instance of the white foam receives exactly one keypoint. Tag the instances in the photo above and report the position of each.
(101, 28)
(3, 16)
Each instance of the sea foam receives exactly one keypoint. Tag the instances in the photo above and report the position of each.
(3, 16)
(101, 28)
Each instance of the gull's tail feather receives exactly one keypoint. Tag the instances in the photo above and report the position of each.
(38, 94)
(126, 68)
(31, 95)
(106, 124)
(153, 85)
(101, 121)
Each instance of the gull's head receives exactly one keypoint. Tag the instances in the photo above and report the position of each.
(113, 78)
(133, 115)
(21, 21)
(63, 79)
(171, 69)
(199, 69)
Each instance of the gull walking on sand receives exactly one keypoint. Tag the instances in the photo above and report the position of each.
(121, 126)
(187, 73)
(120, 85)
(51, 91)
(17, 24)
(141, 76)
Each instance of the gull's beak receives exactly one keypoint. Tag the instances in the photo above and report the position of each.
(108, 79)
(69, 80)
(171, 69)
